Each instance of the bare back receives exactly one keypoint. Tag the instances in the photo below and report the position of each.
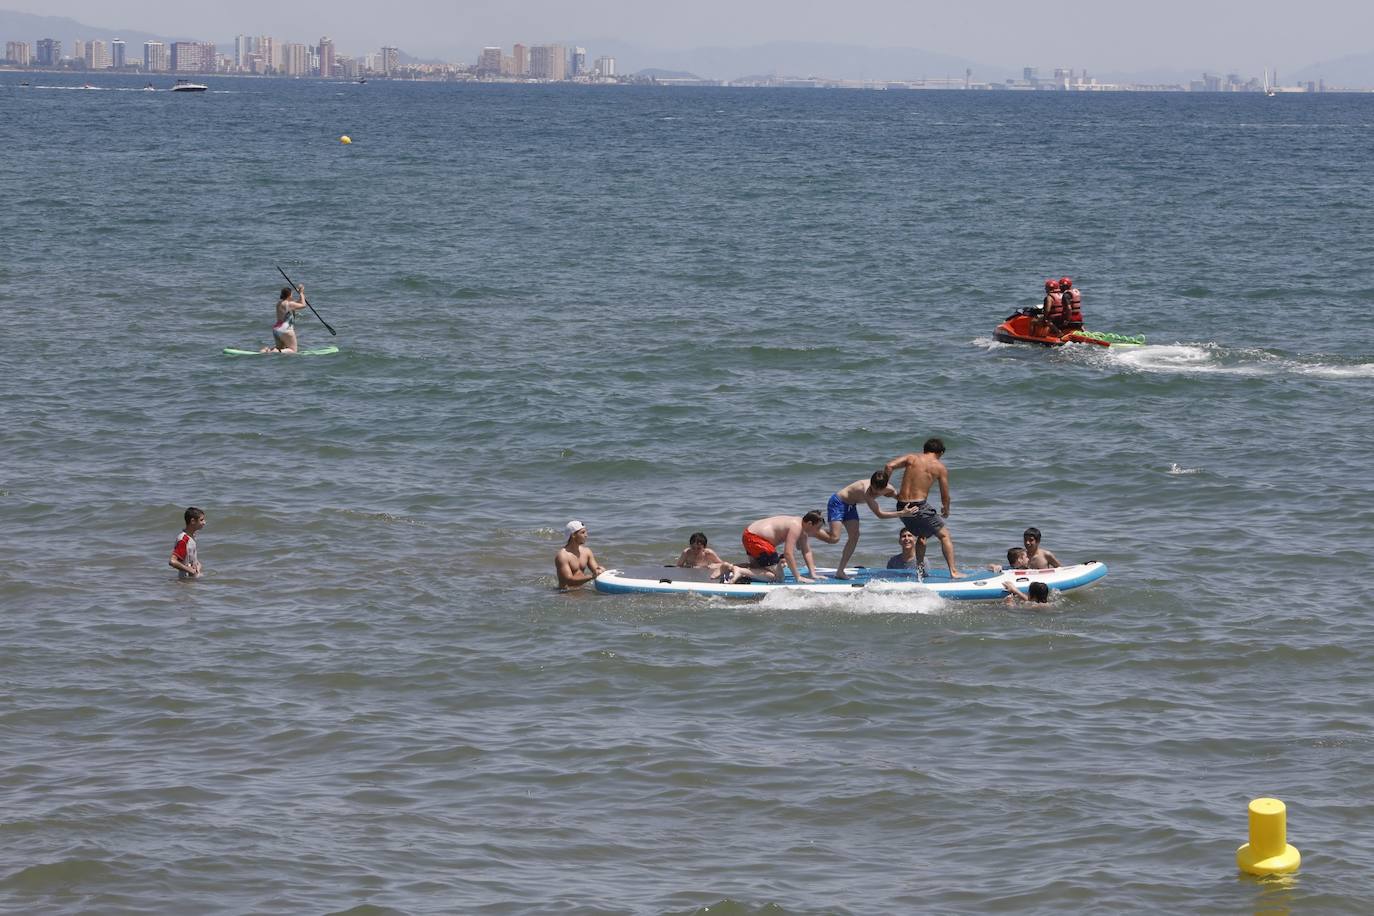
(855, 493)
(920, 471)
(778, 528)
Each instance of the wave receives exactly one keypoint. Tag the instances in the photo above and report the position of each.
(876, 598)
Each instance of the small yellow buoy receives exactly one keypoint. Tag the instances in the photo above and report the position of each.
(345, 139)
(1268, 852)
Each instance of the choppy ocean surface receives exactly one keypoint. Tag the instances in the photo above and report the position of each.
(659, 311)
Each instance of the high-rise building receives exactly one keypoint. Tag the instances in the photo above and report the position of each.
(522, 60)
(244, 46)
(97, 55)
(390, 61)
(270, 50)
(49, 52)
(17, 53)
(154, 57)
(79, 52)
(577, 65)
(190, 57)
(117, 52)
(326, 52)
(605, 66)
(489, 63)
(548, 62)
(296, 60)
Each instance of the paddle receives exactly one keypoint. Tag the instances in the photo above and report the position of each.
(306, 301)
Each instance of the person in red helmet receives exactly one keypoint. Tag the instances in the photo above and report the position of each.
(1044, 325)
(1071, 301)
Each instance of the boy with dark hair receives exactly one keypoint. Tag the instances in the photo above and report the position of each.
(919, 474)
(1036, 593)
(843, 512)
(185, 559)
(1036, 556)
(907, 559)
(697, 553)
(761, 541)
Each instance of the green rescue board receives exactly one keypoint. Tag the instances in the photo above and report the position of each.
(313, 351)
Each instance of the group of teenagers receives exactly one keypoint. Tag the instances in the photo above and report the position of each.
(772, 544)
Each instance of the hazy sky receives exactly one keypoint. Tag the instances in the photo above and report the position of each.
(1103, 35)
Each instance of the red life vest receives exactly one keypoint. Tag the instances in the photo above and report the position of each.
(1074, 305)
(1054, 307)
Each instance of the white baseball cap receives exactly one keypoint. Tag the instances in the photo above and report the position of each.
(573, 527)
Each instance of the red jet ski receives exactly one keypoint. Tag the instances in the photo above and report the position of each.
(1017, 329)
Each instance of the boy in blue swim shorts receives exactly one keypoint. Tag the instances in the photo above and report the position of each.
(842, 512)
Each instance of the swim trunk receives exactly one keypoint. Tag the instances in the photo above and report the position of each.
(279, 331)
(924, 523)
(837, 510)
(762, 552)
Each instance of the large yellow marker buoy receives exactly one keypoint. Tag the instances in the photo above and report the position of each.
(345, 139)
(1268, 852)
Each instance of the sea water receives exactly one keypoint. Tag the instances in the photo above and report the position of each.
(661, 311)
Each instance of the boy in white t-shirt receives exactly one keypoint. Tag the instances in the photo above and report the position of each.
(184, 556)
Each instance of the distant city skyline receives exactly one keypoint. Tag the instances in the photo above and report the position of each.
(1220, 37)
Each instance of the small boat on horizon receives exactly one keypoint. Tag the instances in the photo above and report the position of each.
(188, 86)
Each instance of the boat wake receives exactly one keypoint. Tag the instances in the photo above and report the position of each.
(1212, 359)
(874, 598)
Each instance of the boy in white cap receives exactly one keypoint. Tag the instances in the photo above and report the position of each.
(575, 562)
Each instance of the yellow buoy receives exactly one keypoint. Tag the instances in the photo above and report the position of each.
(345, 139)
(1268, 852)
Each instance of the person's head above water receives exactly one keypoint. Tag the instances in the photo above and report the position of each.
(1031, 534)
(934, 446)
(1016, 557)
(813, 520)
(697, 539)
(880, 479)
(1038, 592)
(286, 292)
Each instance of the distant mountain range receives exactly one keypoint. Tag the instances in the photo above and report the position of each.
(798, 59)
(30, 28)
(1353, 72)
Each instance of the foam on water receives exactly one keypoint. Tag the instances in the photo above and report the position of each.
(1214, 359)
(875, 598)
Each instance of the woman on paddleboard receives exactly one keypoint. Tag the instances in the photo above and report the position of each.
(284, 331)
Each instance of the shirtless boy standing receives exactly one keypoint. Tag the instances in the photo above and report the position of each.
(843, 510)
(575, 562)
(919, 474)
